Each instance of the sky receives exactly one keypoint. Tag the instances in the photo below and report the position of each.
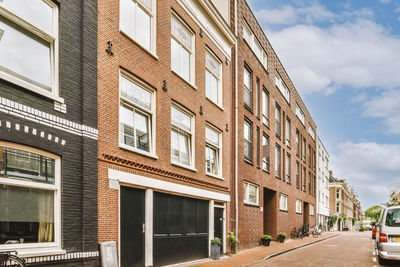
(344, 59)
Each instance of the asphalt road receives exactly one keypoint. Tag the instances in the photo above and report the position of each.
(347, 250)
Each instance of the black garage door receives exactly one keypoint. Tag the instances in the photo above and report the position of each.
(180, 229)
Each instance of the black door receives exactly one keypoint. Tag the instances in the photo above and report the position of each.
(219, 225)
(132, 222)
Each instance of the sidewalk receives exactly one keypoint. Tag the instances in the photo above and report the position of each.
(252, 255)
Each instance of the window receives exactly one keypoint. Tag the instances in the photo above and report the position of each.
(309, 183)
(182, 136)
(337, 193)
(213, 151)
(258, 98)
(300, 115)
(278, 120)
(136, 114)
(254, 44)
(287, 131)
(250, 193)
(311, 132)
(287, 168)
(304, 150)
(297, 174)
(265, 107)
(311, 209)
(265, 144)
(299, 205)
(248, 90)
(213, 79)
(304, 179)
(297, 143)
(29, 198)
(282, 87)
(248, 137)
(278, 161)
(337, 207)
(258, 146)
(283, 202)
(309, 155)
(182, 49)
(29, 45)
(137, 20)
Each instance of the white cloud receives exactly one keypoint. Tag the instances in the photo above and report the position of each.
(372, 169)
(385, 1)
(385, 107)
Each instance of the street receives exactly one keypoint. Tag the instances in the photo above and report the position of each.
(348, 249)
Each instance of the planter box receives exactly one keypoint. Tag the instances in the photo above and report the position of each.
(266, 242)
(215, 251)
(281, 239)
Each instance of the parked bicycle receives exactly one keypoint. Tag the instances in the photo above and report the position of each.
(300, 232)
(10, 258)
(316, 231)
(296, 233)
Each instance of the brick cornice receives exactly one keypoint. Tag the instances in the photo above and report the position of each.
(160, 172)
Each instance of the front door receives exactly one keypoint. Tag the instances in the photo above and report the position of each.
(132, 226)
(219, 225)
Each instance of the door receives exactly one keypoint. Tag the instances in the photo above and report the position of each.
(306, 213)
(132, 226)
(270, 212)
(219, 225)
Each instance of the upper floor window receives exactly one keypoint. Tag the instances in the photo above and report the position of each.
(248, 140)
(278, 161)
(213, 79)
(29, 198)
(287, 168)
(304, 179)
(29, 45)
(213, 151)
(265, 154)
(287, 132)
(297, 174)
(283, 202)
(182, 49)
(282, 87)
(137, 20)
(311, 209)
(250, 193)
(248, 88)
(254, 44)
(299, 205)
(265, 107)
(311, 132)
(278, 120)
(337, 207)
(136, 115)
(300, 114)
(182, 136)
(297, 143)
(303, 150)
(337, 193)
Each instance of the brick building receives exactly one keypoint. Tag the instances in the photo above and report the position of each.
(165, 128)
(276, 141)
(48, 131)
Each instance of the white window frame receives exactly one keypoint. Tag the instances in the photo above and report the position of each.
(151, 114)
(278, 120)
(311, 132)
(266, 160)
(190, 134)
(288, 134)
(278, 161)
(218, 148)
(219, 77)
(253, 43)
(50, 37)
(311, 209)
(288, 168)
(248, 89)
(249, 142)
(299, 205)
(265, 107)
(153, 23)
(246, 193)
(191, 51)
(300, 115)
(283, 202)
(39, 248)
(282, 87)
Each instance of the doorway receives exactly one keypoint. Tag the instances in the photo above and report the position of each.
(219, 225)
(306, 213)
(270, 212)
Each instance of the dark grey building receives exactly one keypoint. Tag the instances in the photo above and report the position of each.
(48, 131)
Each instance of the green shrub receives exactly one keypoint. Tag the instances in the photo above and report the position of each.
(282, 234)
(266, 237)
(216, 241)
(233, 239)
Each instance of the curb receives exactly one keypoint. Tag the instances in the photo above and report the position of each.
(288, 250)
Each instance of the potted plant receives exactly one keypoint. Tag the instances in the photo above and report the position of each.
(233, 241)
(215, 248)
(281, 237)
(266, 239)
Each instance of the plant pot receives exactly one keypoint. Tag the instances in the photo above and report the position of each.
(265, 242)
(215, 251)
(281, 239)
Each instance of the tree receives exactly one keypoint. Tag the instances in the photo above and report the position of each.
(373, 212)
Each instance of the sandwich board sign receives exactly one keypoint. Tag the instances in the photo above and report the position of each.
(108, 254)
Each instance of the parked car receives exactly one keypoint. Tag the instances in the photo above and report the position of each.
(388, 235)
(367, 225)
(374, 232)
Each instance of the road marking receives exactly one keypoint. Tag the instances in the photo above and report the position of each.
(374, 259)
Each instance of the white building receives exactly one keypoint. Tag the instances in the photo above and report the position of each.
(322, 185)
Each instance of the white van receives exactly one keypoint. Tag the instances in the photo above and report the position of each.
(388, 235)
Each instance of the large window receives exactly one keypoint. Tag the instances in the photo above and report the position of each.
(213, 151)
(251, 193)
(278, 161)
(393, 218)
(29, 45)
(303, 150)
(265, 154)
(182, 134)
(29, 197)
(137, 20)
(248, 89)
(136, 115)
(300, 115)
(182, 49)
(282, 87)
(248, 140)
(213, 79)
(254, 44)
(297, 142)
(299, 205)
(287, 168)
(278, 120)
(311, 132)
(311, 209)
(287, 132)
(304, 179)
(265, 107)
(297, 174)
(283, 202)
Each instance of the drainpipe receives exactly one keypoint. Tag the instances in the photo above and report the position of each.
(236, 127)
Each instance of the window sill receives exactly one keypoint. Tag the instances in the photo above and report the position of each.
(248, 161)
(283, 210)
(298, 213)
(184, 166)
(151, 53)
(215, 104)
(250, 204)
(214, 176)
(266, 171)
(184, 79)
(37, 252)
(138, 151)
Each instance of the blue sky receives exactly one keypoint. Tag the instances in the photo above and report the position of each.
(344, 59)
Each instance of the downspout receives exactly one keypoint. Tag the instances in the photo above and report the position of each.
(236, 128)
